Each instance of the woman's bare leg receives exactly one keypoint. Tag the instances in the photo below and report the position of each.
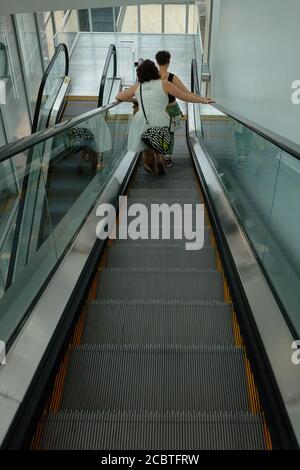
(160, 164)
(149, 160)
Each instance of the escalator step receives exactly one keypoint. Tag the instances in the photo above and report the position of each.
(177, 171)
(153, 322)
(131, 430)
(153, 377)
(157, 182)
(172, 243)
(141, 257)
(167, 178)
(160, 284)
(165, 194)
(162, 200)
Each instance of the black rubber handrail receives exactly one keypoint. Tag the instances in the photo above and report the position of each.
(281, 142)
(111, 54)
(59, 48)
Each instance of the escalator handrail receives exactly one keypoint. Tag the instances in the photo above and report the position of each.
(59, 48)
(111, 54)
(15, 148)
(281, 142)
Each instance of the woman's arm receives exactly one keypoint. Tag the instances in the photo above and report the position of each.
(177, 82)
(182, 95)
(128, 94)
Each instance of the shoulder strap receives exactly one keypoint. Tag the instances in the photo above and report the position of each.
(170, 77)
(143, 104)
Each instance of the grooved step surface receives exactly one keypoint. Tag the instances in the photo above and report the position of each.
(167, 178)
(156, 182)
(101, 430)
(178, 170)
(161, 243)
(148, 202)
(165, 194)
(182, 323)
(141, 257)
(160, 284)
(161, 378)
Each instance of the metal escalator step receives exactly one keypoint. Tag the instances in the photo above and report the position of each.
(160, 284)
(157, 182)
(186, 206)
(165, 194)
(176, 171)
(104, 430)
(153, 377)
(191, 177)
(158, 322)
(155, 200)
(142, 257)
(172, 243)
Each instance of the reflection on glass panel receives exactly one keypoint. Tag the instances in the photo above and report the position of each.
(31, 56)
(151, 18)
(64, 176)
(130, 22)
(14, 110)
(46, 36)
(175, 16)
(282, 253)
(247, 165)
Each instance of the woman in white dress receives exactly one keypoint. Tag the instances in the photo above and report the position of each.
(155, 100)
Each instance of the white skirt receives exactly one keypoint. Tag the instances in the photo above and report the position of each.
(138, 125)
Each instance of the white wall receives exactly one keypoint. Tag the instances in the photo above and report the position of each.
(255, 57)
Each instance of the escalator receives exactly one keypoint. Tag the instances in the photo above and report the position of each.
(55, 103)
(150, 346)
(159, 362)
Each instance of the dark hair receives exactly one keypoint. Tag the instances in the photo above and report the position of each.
(163, 57)
(147, 71)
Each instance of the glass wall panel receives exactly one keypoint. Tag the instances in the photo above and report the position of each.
(31, 55)
(175, 17)
(192, 25)
(58, 19)
(102, 19)
(262, 183)
(282, 251)
(151, 19)
(14, 109)
(83, 19)
(64, 175)
(46, 31)
(130, 22)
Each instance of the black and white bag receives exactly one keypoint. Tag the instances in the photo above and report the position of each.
(157, 138)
